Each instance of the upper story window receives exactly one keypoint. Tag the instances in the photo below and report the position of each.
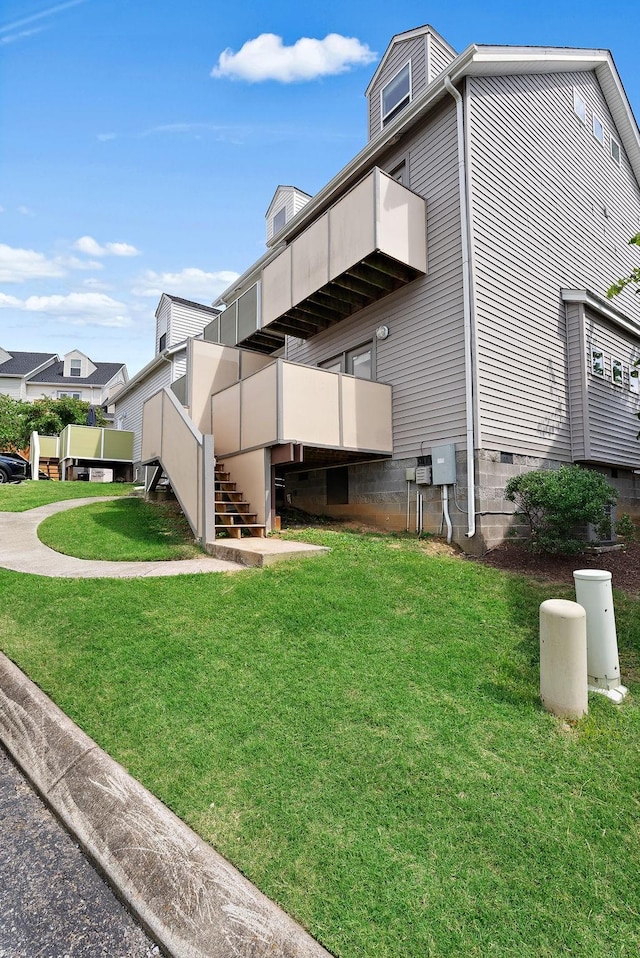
(580, 106)
(163, 342)
(598, 129)
(614, 147)
(279, 220)
(396, 94)
(75, 367)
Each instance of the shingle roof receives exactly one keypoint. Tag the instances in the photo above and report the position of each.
(189, 302)
(53, 375)
(21, 364)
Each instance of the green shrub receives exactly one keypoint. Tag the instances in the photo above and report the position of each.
(625, 527)
(556, 503)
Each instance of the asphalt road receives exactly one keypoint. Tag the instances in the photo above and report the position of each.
(53, 904)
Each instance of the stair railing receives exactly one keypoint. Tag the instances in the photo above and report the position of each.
(170, 440)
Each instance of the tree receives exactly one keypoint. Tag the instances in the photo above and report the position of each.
(18, 419)
(633, 278)
(13, 428)
(49, 416)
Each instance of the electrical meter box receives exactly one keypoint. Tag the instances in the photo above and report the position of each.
(423, 475)
(443, 459)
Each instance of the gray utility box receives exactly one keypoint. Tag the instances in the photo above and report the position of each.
(443, 464)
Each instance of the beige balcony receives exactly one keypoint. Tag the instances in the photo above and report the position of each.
(289, 404)
(369, 244)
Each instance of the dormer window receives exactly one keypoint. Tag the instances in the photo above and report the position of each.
(396, 94)
(75, 367)
(279, 220)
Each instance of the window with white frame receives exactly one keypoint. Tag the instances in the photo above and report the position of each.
(61, 395)
(597, 362)
(75, 367)
(617, 374)
(614, 149)
(579, 106)
(396, 94)
(279, 220)
(634, 379)
(598, 129)
(356, 362)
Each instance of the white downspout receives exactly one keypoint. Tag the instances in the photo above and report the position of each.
(466, 300)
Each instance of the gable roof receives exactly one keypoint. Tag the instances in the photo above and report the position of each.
(474, 61)
(283, 189)
(21, 364)
(53, 375)
(186, 302)
(401, 38)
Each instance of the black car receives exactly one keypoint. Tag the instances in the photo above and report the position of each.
(13, 468)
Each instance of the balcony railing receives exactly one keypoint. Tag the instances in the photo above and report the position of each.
(369, 244)
(291, 403)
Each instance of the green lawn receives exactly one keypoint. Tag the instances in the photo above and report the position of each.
(361, 735)
(18, 497)
(123, 530)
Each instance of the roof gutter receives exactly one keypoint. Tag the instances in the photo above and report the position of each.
(466, 304)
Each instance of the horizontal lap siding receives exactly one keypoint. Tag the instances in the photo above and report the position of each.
(185, 321)
(611, 410)
(423, 358)
(131, 405)
(577, 382)
(409, 49)
(10, 386)
(550, 210)
(441, 57)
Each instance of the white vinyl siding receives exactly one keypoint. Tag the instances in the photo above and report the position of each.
(423, 357)
(10, 386)
(603, 414)
(414, 50)
(550, 210)
(129, 409)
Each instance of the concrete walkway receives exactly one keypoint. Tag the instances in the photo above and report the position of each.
(22, 551)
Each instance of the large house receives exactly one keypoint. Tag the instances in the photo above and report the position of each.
(434, 320)
(30, 376)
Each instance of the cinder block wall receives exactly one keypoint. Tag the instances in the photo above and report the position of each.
(378, 496)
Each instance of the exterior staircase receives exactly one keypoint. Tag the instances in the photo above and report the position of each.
(232, 512)
(50, 468)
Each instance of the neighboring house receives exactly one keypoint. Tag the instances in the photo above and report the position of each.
(30, 376)
(177, 320)
(438, 305)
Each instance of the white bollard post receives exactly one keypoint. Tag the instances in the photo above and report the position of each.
(593, 593)
(563, 658)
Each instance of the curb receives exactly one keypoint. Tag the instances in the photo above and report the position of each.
(191, 900)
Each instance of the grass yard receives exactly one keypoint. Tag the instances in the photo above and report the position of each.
(361, 735)
(127, 529)
(18, 497)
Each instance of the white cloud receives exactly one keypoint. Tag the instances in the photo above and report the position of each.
(267, 58)
(191, 283)
(93, 283)
(17, 265)
(25, 211)
(76, 309)
(105, 137)
(90, 246)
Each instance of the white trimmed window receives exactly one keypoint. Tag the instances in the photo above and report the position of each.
(617, 374)
(396, 94)
(579, 106)
(61, 395)
(279, 220)
(614, 149)
(597, 362)
(634, 380)
(75, 367)
(598, 129)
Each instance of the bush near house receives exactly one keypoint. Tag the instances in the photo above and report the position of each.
(556, 503)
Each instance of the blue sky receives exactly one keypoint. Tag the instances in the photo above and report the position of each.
(136, 156)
